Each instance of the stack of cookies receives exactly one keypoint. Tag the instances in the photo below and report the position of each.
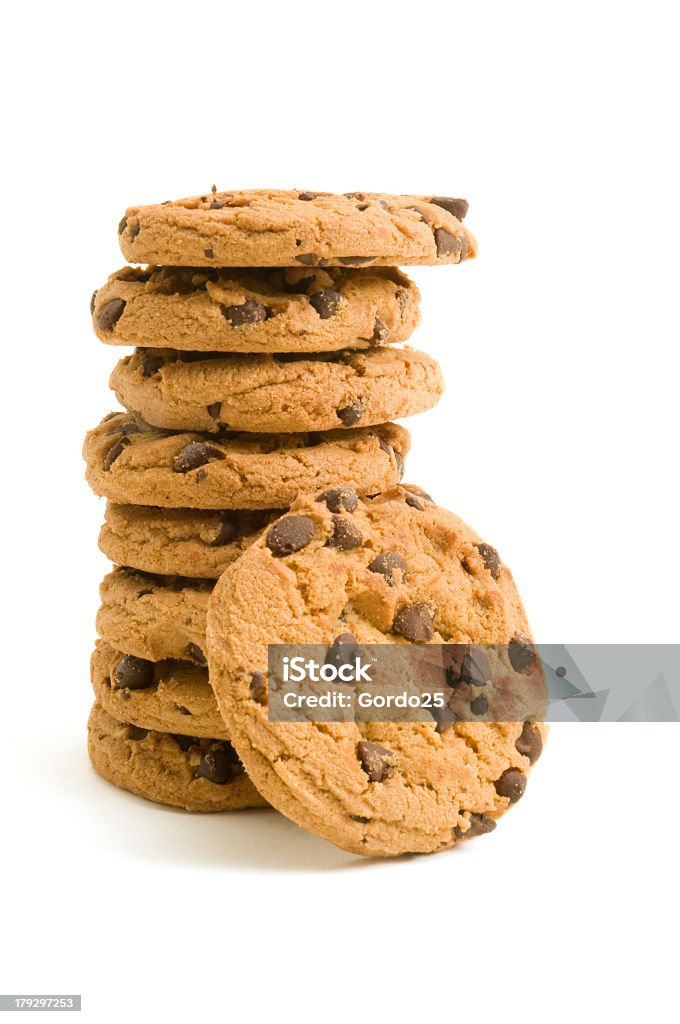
(266, 372)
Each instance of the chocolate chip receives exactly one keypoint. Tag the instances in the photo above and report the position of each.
(214, 410)
(227, 532)
(216, 766)
(92, 301)
(381, 332)
(480, 825)
(151, 365)
(400, 463)
(115, 451)
(298, 287)
(307, 197)
(193, 455)
(250, 312)
(343, 651)
(530, 743)
(258, 688)
(122, 225)
(424, 215)
(475, 668)
(414, 621)
(134, 229)
(133, 673)
(135, 733)
(414, 501)
(185, 742)
(216, 205)
(520, 652)
(511, 784)
(355, 261)
(389, 564)
(458, 207)
(200, 476)
(378, 762)
(308, 259)
(345, 535)
(444, 717)
(292, 533)
(363, 206)
(195, 652)
(491, 559)
(362, 819)
(326, 302)
(110, 314)
(351, 414)
(209, 254)
(446, 243)
(339, 499)
(479, 706)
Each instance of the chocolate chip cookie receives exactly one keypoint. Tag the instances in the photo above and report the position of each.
(273, 228)
(279, 393)
(393, 569)
(154, 617)
(167, 696)
(182, 771)
(179, 541)
(292, 309)
(132, 463)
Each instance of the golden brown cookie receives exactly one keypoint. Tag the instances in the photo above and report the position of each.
(132, 463)
(179, 541)
(394, 569)
(278, 394)
(182, 771)
(167, 696)
(154, 617)
(303, 309)
(274, 228)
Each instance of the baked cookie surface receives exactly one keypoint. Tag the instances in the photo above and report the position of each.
(275, 228)
(303, 309)
(182, 771)
(276, 394)
(179, 542)
(154, 617)
(394, 569)
(166, 696)
(130, 462)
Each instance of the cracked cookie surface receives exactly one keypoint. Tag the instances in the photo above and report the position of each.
(394, 569)
(167, 696)
(275, 228)
(130, 462)
(182, 771)
(265, 393)
(303, 309)
(182, 541)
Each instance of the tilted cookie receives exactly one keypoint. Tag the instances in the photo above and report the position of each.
(394, 569)
(167, 696)
(132, 463)
(154, 617)
(179, 541)
(303, 309)
(182, 771)
(276, 393)
(274, 228)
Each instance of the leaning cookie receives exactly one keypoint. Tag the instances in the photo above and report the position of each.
(338, 570)
(182, 771)
(154, 617)
(273, 228)
(167, 696)
(303, 309)
(277, 394)
(179, 541)
(132, 463)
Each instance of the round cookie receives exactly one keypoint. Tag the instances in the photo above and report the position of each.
(277, 394)
(292, 309)
(393, 569)
(154, 617)
(167, 696)
(179, 541)
(273, 228)
(182, 771)
(132, 463)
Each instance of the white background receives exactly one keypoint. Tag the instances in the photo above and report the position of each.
(556, 439)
